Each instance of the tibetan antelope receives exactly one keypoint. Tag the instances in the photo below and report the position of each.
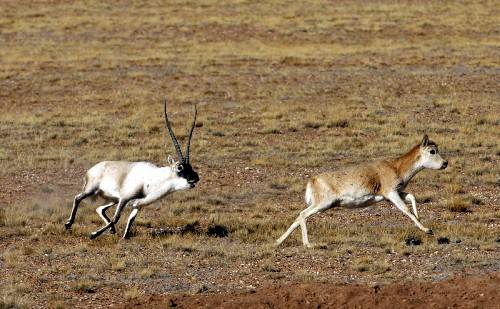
(366, 184)
(140, 183)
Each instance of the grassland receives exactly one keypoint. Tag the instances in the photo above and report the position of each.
(285, 90)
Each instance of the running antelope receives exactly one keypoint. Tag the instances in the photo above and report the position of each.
(141, 183)
(366, 184)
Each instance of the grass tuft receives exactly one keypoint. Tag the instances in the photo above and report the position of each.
(457, 204)
(132, 293)
(83, 286)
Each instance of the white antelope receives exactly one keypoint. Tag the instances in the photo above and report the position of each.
(141, 183)
(366, 184)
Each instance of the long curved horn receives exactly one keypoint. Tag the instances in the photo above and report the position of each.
(191, 135)
(172, 135)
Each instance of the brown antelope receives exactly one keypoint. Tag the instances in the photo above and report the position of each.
(141, 183)
(366, 184)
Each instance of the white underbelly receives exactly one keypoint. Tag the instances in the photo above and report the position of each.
(349, 201)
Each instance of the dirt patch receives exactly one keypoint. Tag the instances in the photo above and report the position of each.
(459, 292)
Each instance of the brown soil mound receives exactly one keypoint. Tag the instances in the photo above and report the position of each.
(459, 292)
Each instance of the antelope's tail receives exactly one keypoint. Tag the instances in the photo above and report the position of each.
(309, 196)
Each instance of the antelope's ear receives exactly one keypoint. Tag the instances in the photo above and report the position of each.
(425, 141)
(170, 160)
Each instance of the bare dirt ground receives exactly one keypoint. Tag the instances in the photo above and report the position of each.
(285, 90)
(470, 292)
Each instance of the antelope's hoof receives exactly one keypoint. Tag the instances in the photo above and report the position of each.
(308, 246)
(67, 226)
(429, 231)
(112, 230)
(93, 235)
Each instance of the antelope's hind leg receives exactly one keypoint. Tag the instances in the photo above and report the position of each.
(101, 211)
(285, 235)
(320, 197)
(76, 203)
(301, 221)
(306, 214)
(116, 217)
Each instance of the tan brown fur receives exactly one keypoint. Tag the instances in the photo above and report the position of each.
(377, 177)
(404, 164)
(368, 183)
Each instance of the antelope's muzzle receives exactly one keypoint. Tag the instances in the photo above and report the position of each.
(445, 164)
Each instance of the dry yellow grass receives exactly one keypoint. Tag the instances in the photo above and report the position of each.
(284, 91)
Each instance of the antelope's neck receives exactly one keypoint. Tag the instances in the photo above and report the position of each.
(162, 174)
(407, 165)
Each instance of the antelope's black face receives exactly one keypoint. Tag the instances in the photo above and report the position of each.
(185, 170)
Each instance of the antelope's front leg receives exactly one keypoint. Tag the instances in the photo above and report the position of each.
(400, 204)
(138, 204)
(409, 198)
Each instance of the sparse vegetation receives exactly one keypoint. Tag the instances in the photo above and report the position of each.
(284, 91)
(83, 286)
(369, 264)
(132, 293)
(458, 204)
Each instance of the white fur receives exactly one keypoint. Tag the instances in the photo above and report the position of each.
(119, 182)
(308, 196)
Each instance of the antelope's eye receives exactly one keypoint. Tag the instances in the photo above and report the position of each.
(180, 168)
(433, 151)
